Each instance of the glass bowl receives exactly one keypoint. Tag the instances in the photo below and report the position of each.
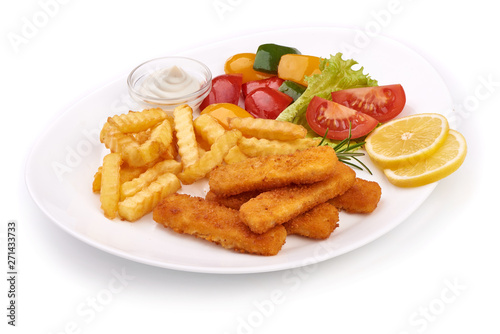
(139, 76)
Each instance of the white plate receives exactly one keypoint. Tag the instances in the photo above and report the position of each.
(61, 166)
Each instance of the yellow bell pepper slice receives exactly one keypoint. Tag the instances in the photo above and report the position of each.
(243, 63)
(295, 67)
(223, 111)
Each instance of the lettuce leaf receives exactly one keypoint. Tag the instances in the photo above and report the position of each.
(336, 74)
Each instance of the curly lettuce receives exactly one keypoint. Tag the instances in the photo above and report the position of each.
(336, 74)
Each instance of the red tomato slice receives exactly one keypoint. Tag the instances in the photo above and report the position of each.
(323, 114)
(266, 102)
(382, 103)
(250, 86)
(226, 88)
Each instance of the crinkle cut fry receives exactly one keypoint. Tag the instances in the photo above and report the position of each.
(255, 147)
(184, 132)
(267, 128)
(143, 202)
(210, 159)
(264, 173)
(278, 206)
(216, 223)
(138, 121)
(110, 184)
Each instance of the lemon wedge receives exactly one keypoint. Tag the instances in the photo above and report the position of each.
(406, 140)
(447, 159)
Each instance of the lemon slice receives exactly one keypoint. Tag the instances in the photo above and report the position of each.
(447, 159)
(407, 139)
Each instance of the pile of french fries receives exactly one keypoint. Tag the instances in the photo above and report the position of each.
(151, 154)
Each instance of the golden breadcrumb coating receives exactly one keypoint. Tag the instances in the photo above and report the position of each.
(269, 172)
(362, 197)
(279, 205)
(216, 223)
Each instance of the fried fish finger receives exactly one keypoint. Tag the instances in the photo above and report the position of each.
(362, 197)
(269, 172)
(234, 201)
(317, 223)
(277, 206)
(216, 223)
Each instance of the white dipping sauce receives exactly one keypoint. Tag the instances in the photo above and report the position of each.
(169, 83)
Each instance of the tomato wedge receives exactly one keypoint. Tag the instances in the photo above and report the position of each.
(266, 102)
(381, 102)
(226, 88)
(323, 114)
(250, 86)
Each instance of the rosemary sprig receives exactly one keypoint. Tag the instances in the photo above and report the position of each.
(344, 151)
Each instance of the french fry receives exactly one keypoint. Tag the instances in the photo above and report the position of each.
(158, 144)
(267, 128)
(208, 128)
(132, 187)
(141, 137)
(143, 202)
(186, 139)
(254, 147)
(106, 128)
(201, 152)
(159, 140)
(211, 158)
(96, 184)
(132, 155)
(114, 139)
(128, 173)
(163, 134)
(234, 155)
(149, 151)
(137, 121)
(171, 152)
(110, 184)
(119, 142)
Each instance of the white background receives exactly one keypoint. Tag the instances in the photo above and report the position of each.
(435, 273)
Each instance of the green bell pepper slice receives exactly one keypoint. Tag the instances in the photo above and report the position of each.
(292, 89)
(268, 57)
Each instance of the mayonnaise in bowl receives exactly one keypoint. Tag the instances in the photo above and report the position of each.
(170, 81)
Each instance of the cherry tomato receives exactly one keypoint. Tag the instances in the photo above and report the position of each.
(323, 114)
(222, 111)
(382, 103)
(272, 82)
(226, 88)
(243, 63)
(266, 102)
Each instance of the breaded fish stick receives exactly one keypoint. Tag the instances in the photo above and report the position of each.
(269, 172)
(317, 223)
(216, 223)
(234, 201)
(362, 197)
(277, 206)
